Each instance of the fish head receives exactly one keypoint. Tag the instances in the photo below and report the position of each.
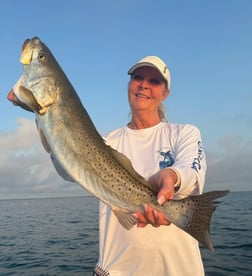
(37, 88)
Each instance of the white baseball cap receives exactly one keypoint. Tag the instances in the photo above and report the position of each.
(155, 62)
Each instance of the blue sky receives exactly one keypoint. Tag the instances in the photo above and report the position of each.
(206, 44)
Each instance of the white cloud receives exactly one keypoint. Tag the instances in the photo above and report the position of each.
(25, 167)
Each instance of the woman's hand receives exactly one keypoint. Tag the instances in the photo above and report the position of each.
(164, 180)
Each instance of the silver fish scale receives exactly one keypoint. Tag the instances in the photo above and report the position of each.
(114, 183)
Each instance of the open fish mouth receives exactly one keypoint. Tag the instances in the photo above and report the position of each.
(11, 96)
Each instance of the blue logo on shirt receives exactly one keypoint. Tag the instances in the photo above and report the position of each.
(167, 159)
(196, 161)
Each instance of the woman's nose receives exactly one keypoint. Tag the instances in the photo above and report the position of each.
(144, 84)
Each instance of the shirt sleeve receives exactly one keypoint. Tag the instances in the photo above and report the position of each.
(190, 161)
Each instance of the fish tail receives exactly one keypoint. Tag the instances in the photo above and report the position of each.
(196, 214)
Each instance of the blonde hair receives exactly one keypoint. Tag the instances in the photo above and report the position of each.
(162, 113)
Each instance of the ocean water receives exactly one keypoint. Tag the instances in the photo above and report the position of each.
(60, 236)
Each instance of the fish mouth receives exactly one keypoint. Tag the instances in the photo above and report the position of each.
(11, 96)
(27, 50)
(26, 57)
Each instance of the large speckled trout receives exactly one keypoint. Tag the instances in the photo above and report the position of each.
(67, 132)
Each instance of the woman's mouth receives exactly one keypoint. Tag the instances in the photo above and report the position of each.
(140, 95)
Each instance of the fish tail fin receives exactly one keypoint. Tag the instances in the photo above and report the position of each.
(196, 215)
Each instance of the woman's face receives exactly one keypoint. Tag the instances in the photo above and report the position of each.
(146, 90)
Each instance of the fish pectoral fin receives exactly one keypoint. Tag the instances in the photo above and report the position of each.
(127, 220)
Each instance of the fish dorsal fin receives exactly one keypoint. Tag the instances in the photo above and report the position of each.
(126, 163)
(127, 220)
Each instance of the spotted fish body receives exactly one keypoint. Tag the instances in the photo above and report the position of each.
(68, 133)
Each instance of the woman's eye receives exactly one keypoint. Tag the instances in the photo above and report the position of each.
(137, 78)
(155, 82)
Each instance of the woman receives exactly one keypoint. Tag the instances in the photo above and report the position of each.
(171, 157)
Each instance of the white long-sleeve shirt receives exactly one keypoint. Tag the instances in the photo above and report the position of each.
(166, 250)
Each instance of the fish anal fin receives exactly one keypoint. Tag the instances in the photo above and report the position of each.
(127, 220)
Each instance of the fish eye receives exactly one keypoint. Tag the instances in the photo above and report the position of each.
(41, 56)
